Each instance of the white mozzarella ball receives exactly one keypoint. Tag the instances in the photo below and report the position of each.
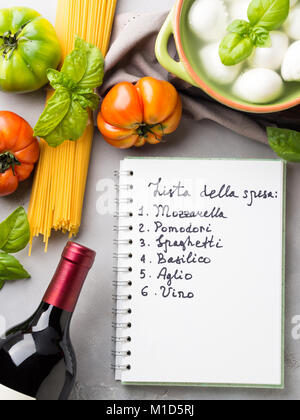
(271, 58)
(292, 24)
(209, 19)
(290, 69)
(259, 86)
(215, 69)
(238, 9)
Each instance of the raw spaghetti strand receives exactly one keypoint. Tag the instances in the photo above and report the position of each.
(60, 179)
(110, 12)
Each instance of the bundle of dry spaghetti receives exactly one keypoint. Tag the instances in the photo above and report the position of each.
(59, 184)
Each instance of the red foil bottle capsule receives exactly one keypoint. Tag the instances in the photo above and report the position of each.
(65, 287)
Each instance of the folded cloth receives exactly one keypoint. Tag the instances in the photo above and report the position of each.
(132, 56)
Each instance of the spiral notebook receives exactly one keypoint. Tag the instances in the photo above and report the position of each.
(200, 262)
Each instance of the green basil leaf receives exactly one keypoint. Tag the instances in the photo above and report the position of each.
(2, 283)
(89, 100)
(93, 76)
(58, 80)
(75, 65)
(55, 78)
(93, 100)
(71, 127)
(11, 269)
(84, 91)
(15, 232)
(241, 27)
(4, 234)
(261, 37)
(235, 48)
(269, 14)
(56, 109)
(285, 143)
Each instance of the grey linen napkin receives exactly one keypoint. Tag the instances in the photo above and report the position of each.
(132, 56)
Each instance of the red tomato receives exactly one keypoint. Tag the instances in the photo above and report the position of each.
(132, 115)
(19, 151)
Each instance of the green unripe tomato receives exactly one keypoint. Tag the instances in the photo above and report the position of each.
(29, 46)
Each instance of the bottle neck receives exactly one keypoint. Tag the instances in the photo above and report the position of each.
(65, 287)
(48, 316)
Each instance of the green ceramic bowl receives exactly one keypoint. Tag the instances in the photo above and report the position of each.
(189, 69)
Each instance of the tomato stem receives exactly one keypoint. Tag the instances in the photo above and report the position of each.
(144, 129)
(7, 161)
(10, 41)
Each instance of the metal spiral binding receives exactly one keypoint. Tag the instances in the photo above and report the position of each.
(120, 367)
(116, 339)
(122, 283)
(122, 325)
(122, 269)
(123, 228)
(122, 256)
(125, 187)
(122, 297)
(118, 242)
(119, 215)
(121, 353)
(123, 173)
(119, 201)
(121, 293)
(121, 311)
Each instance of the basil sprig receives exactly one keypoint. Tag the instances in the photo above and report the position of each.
(11, 269)
(268, 14)
(244, 36)
(14, 236)
(285, 143)
(66, 114)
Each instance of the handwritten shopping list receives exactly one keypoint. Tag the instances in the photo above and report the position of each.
(188, 229)
(207, 264)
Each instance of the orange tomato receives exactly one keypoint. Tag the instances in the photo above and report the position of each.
(133, 115)
(19, 151)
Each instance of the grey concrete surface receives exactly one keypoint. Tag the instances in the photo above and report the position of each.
(91, 327)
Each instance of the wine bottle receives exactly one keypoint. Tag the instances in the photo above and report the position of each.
(37, 360)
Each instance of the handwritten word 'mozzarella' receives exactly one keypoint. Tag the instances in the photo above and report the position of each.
(207, 243)
(165, 211)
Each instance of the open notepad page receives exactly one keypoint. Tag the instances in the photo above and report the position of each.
(201, 273)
